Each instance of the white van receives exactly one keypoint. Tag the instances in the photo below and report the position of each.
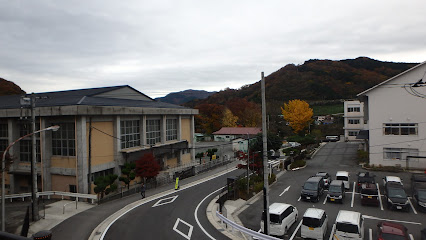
(349, 225)
(281, 216)
(314, 224)
(344, 176)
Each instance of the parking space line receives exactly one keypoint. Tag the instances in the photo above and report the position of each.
(353, 196)
(414, 210)
(295, 231)
(325, 200)
(411, 236)
(299, 199)
(332, 232)
(380, 197)
(370, 233)
(391, 220)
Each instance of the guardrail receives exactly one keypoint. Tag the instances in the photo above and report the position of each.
(252, 234)
(22, 196)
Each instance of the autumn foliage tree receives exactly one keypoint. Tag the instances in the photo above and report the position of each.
(147, 167)
(209, 119)
(298, 114)
(229, 119)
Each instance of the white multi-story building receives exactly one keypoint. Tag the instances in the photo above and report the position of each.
(396, 116)
(354, 119)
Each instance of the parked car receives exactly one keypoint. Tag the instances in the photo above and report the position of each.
(344, 176)
(396, 196)
(313, 189)
(314, 224)
(418, 189)
(349, 225)
(281, 216)
(326, 177)
(332, 138)
(392, 179)
(369, 194)
(336, 191)
(364, 177)
(392, 231)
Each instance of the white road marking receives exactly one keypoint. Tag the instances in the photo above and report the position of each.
(165, 201)
(332, 232)
(285, 190)
(196, 217)
(370, 233)
(414, 210)
(380, 196)
(295, 231)
(110, 222)
(353, 196)
(325, 200)
(391, 220)
(299, 199)
(187, 236)
(411, 236)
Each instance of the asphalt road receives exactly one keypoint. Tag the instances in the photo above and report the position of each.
(331, 158)
(172, 216)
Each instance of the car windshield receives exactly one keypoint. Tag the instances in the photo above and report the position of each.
(311, 222)
(397, 193)
(335, 189)
(344, 178)
(389, 236)
(345, 227)
(310, 186)
(422, 193)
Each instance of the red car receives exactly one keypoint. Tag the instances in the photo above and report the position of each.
(392, 231)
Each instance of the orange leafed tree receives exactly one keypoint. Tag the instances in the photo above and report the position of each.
(229, 119)
(298, 114)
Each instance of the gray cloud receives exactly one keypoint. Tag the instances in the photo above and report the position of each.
(165, 46)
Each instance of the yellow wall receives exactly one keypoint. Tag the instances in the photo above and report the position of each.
(102, 144)
(186, 130)
(61, 183)
(63, 161)
(186, 158)
(172, 162)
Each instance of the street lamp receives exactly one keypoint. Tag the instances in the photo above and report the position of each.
(3, 168)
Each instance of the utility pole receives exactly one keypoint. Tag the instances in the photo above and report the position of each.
(34, 201)
(265, 161)
(89, 179)
(248, 164)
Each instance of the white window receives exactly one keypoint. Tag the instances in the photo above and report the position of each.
(399, 153)
(153, 131)
(63, 140)
(354, 109)
(400, 129)
(130, 133)
(353, 121)
(171, 131)
(353, 133)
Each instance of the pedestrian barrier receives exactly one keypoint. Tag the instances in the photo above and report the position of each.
(248, 232)
(92, 197)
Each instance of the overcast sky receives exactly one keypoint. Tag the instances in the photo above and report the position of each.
(163, 46)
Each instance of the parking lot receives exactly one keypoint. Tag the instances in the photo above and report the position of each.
(331, 158)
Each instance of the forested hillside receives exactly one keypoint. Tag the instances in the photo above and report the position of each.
(9, 88)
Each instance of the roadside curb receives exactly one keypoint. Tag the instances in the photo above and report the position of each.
(213, 207)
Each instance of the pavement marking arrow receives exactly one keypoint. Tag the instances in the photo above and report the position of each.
(285, 190)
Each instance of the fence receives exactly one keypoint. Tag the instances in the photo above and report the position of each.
(22, 196)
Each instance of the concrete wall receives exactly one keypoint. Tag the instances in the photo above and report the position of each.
(353, 115)
(390, 104)
(61, 183)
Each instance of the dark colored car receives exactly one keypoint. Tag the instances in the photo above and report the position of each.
(419, 194)
(364, 177)
(313, 189)
(369, 194)
(396, 198)
(336, 191)
(326, 177)
(392, 231)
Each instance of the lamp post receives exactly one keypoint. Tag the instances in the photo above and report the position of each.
(3, 166)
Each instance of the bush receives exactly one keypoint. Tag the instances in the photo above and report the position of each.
(272, 178)
(258, 187)
(297, 163)
(362, 156)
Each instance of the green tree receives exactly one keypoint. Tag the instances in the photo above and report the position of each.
(211, 152)
(105, 184)
(199, 155)
(274, 142)
(128, 171)
(298, 114)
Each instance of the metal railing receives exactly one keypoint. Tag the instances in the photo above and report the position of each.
(248, 232)
(22, 196)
